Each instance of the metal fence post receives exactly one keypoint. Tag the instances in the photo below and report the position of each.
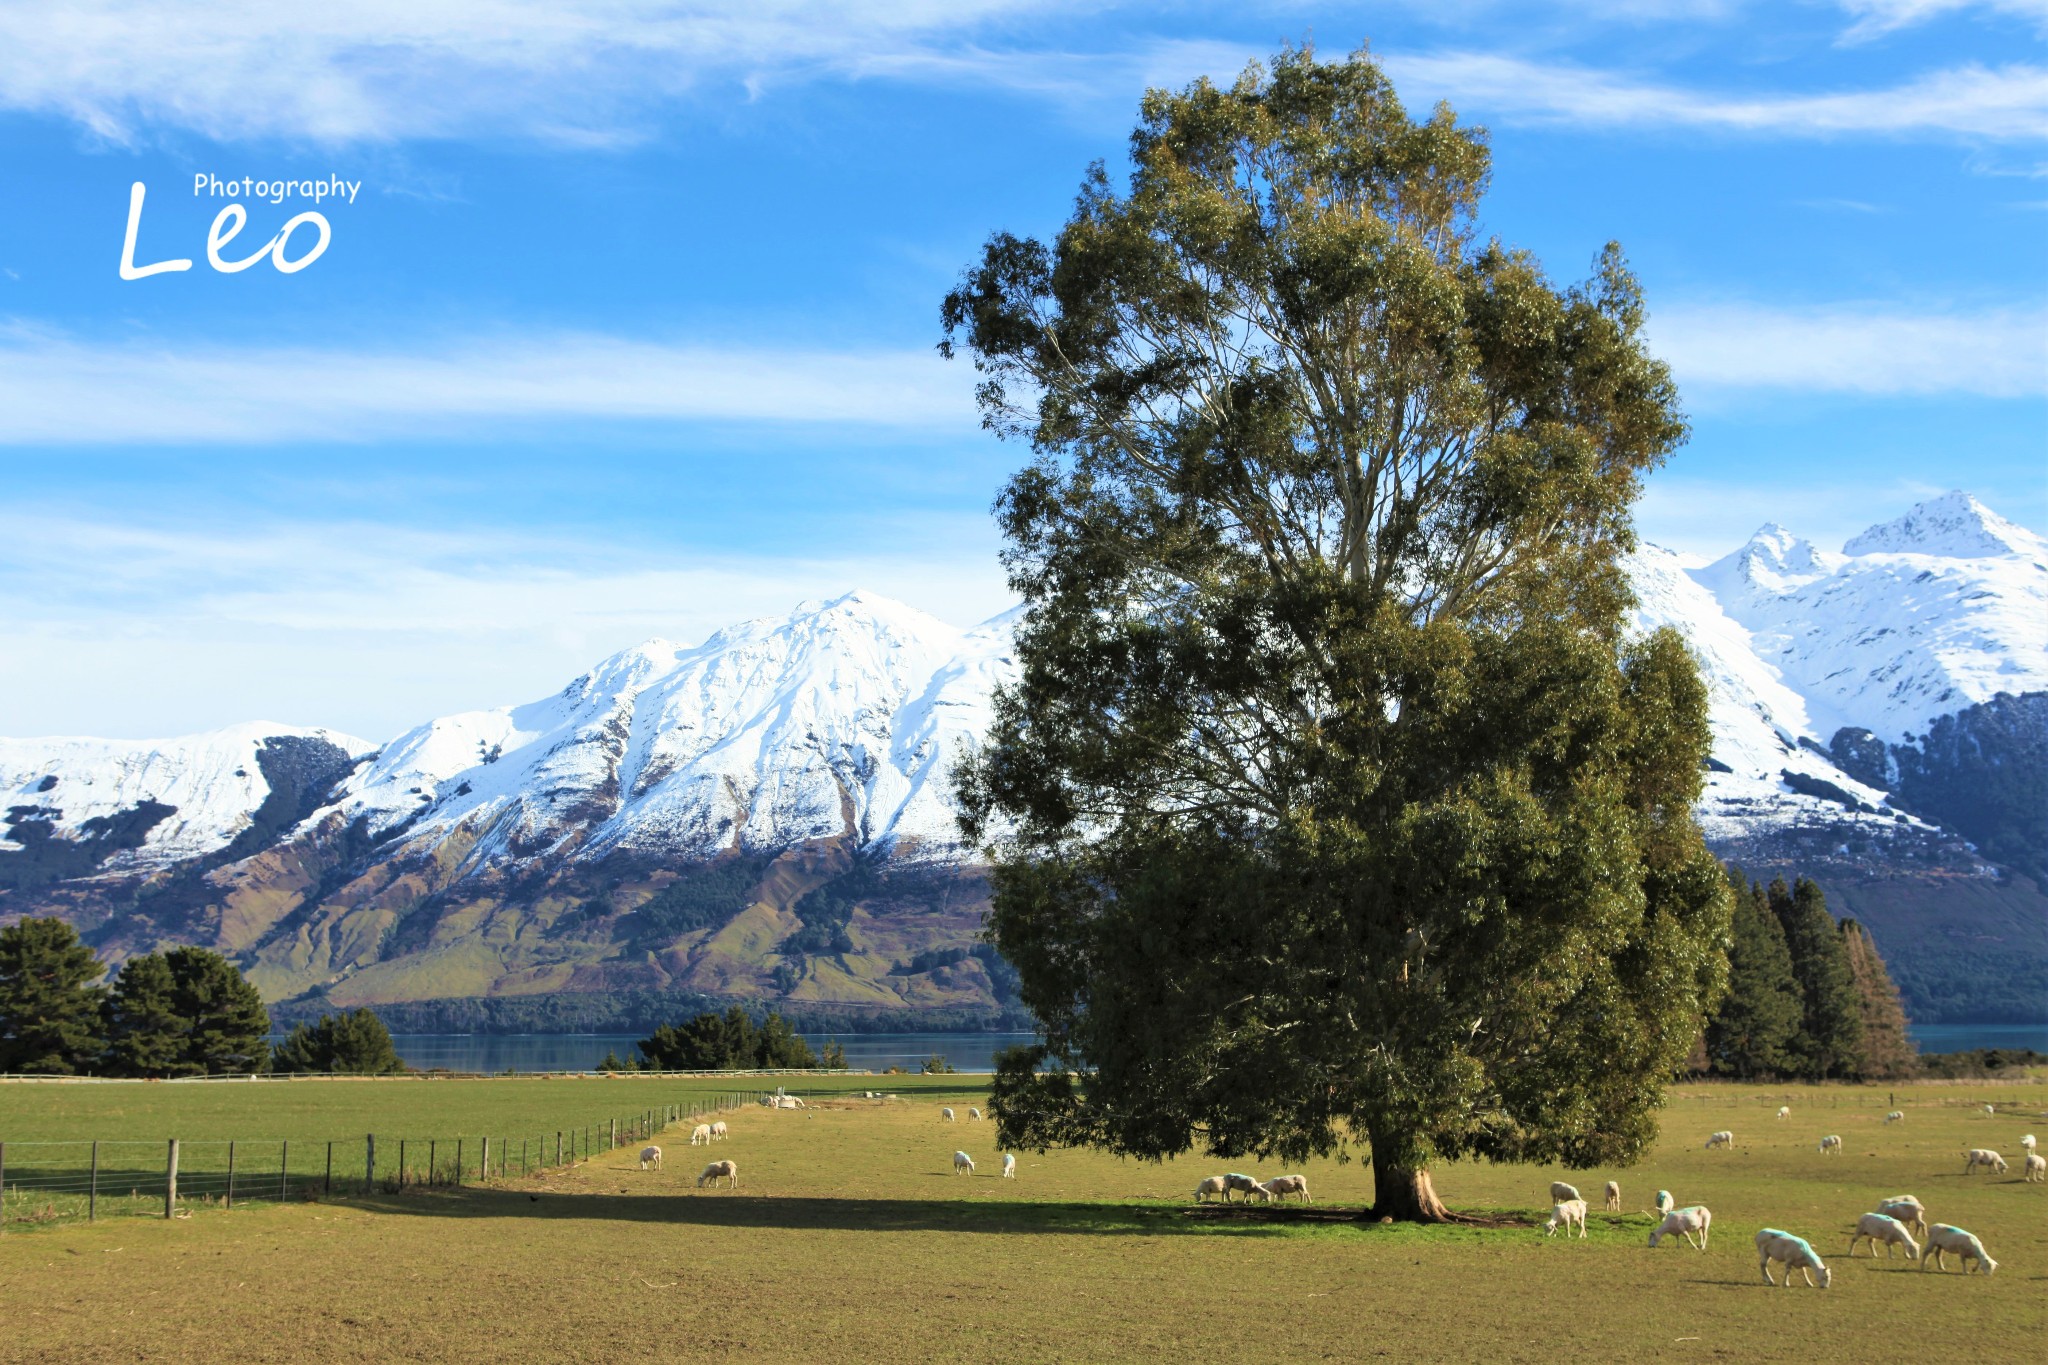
(92, 1196)
(171, 1179)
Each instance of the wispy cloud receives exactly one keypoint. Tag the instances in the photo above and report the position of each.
(1877, 18)
(54, 390)
(1874, 350)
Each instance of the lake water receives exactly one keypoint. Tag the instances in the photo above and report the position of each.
(966, 1051)
(583, 1051)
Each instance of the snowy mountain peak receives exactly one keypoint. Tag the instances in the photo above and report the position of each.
(1771, 562)
(1954, 526)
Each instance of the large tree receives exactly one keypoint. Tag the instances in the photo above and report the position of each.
(1830, 1040)
(1335, 802)
(145, 1033)
(1755, 1032)
(49, 1004)
(1887, 1051)
(186, 1012)
(351, 1043)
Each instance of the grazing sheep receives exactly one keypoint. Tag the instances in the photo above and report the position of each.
(973, 1114)
(2036, 1168)
(1560, 1192)
(1894, 1116)
(1215, 1185)
(790, 1102)
(1664, 1202)
(1724, 1138)
(1009, 1166)
(1288, 1184)
(1794, 1253)
(1941, 1237)
(1242, 1184)
(1614, 1196)
(700, 1134)
(1880, 1227)
(718, 1131)
(1686, 1221)
(2027, 1143)
(1784, 1111)
(650, 1156)
(1990, 1108)
(1566, 1214)
(1831, 1143)
(1907, 1210)
(719, 1170)
(947, 1113)
(1982, 1156)
(963, 1164)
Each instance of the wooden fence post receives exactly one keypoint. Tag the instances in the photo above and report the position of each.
(171, 1179)
(458, 1161)
(401, 1163)
(3, 1187)
(231, 1172)
(615, 1134)
(284, 1169)
(92, 1197)
(433, 1168)
(558, 1146)
(369, 1162)
(483, 1165)
(327, 1182)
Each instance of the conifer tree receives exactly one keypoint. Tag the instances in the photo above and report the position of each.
(1755, 1032)
(145, 1034)
(49, 1002)
(354, 1042)
(1888, 1052)
(1831, 1024)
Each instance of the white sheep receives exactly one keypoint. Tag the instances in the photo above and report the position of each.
(1566, 1214)
(1614, 1196)
(1990, 1108)
(947, 1113)
(700, 1135)
(2027, 1143)
(1724, 1138)
(963, 1164)
(1831, 1143)
(650, 1156)
(1882, 1227)
(719, 1170)
(1664, 1202)
(1242, 1184)
(1560, 1192)
(1894, 1116)
(1907, 1210)
(2036, 1168)
(1982, 1156)
(1794, 1254)
(1009, 1166)
(1287, 1184)
(1941, 1237)
(1784, 1111)
(973, 1114)
(718, 1131)
(790, 1102)
(1686, 1221)
(1214, 1185)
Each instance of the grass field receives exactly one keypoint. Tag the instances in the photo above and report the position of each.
(849, 1239)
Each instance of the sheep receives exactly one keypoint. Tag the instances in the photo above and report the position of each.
(947, 1113)
(1990, 1108)
(1724, 1138)
(2036, 1168)
(650, 1156)
(1907, 1210)
(1894, 1116)
(1941, 1237)
(700, 1135)
(1784, 1111)
(1287, 1184)
(1215, 1185)
(1560, 1192)
(1794, 1253)
(719, 1170)
(1880, 1227)
(1242, 1184)
(1686, 1221)
(1831, 1143)
(1565, 1214)
(2027, 1144)
(1009, 1166)
(1982, 1156)
(973, 1114)
(1664, 1202)
(963, 1164)
(1614, 1196)
(790, 1102)
(718, 1131)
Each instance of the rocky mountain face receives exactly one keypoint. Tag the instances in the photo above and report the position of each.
(766, 815)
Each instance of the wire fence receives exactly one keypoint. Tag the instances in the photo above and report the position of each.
(59, 1182)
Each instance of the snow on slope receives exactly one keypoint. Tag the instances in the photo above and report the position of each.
(213, 779)
(1920, 617)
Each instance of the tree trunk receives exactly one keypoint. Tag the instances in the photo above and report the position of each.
(1405, 1194)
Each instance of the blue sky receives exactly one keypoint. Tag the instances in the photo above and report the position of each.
(629, 329)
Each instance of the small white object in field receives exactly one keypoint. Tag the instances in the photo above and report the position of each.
(718, 1131)
(1215, 1185)
(1686, 1221)
(650, 1156)
(1287, 1184)
(1907, 1210)
(963, 1164)
(1794, 1254)
(1982, 1156)
(1009, 1166)
(1566, 1214)
(1784, 1111)
(1831, 1143)
(1614, 1196)
(1894, 1116)
(1242, 1184)
(1560, 1192)
(947, 1113)
(1882, 1227)
(1943, 1238)
(1724, 1138)
(1664, 1201)
(700, 1135)
(2037, 1168)
(720, 1170)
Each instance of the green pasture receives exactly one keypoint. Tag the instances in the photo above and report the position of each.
(850, 1239)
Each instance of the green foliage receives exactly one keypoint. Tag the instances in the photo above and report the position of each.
(614, 1063)
(1887, 1051)
(727, 1042)
(353, 1043)
(827, 910)
(1985, 1063)
(1340, 805)
(49, 1004)
(1753, 1033)
(187, 1012)
(936, 1065)
(703, 897)
(1984, 771)
(1830, 1042)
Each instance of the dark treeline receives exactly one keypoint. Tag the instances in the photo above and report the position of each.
(731, 1041)
(642, 1011)
(1808, 999)
(181, 1012)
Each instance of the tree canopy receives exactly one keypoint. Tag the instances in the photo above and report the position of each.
(186, 1012)
(1335, 801)
(49, 1002)
(727, 1042)
(352, 1043)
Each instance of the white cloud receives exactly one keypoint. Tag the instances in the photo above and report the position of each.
(1862, 350)
(58, 390)
(1877, 18)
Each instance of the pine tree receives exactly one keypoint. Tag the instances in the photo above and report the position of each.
(226, 1024)
(1888, 1052)
(49, 1004)
(1831, 1027)
(145, 1034)
(352, 1043)
(1756, 1030)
